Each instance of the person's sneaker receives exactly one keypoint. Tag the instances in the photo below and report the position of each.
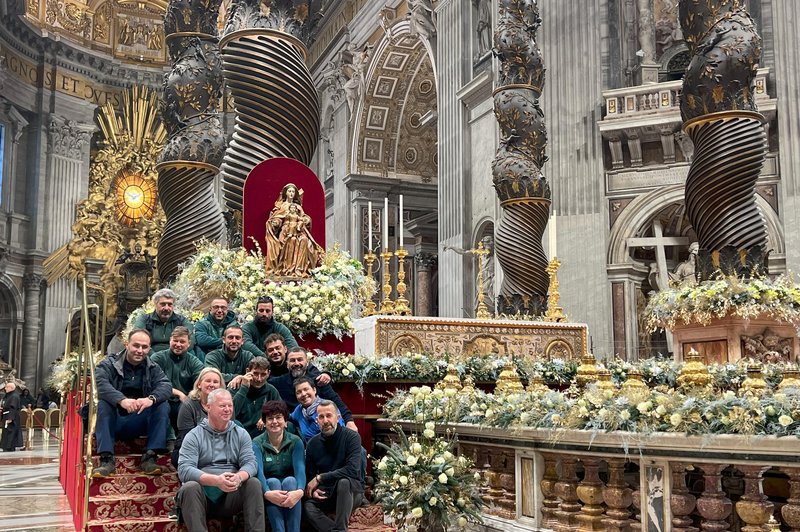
(105, 468)
(149, 465)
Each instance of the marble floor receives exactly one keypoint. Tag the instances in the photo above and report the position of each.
(31, 497)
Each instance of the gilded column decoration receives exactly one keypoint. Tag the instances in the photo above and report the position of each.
(196, 144)
(590, 493)
(754, 508)
(720, 116)
(517, 168)
(274, 97)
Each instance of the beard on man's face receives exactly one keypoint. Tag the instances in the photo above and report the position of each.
(299, 372)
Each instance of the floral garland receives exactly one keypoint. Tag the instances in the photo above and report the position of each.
(323, 304)
(422, 485)
(777, 298)
(637, 410)
(64, 375)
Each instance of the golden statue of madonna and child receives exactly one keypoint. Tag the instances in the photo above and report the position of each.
(291, 250)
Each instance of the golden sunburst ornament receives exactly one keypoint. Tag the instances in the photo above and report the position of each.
(134, 197)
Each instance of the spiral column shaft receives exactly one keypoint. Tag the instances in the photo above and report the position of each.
(192, 91)
(275, 101)
(516, 170)
(730, 145)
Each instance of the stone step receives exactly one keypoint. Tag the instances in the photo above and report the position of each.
(151, 524)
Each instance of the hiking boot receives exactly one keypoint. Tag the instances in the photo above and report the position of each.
(149, 465)
(105, 468)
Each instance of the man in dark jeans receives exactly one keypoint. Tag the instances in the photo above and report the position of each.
(334, 467)
(133, 393)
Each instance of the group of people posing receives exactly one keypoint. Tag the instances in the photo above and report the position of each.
(257, 429)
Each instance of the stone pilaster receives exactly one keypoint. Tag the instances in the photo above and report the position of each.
(424, 262)
(452, 60)
(31, 352)
(787, 57)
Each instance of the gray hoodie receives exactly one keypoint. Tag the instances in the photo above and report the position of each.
(204, 450)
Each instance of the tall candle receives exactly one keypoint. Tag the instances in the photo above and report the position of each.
(401, 220)
(551, 241)
(385, 224)
(369, 227)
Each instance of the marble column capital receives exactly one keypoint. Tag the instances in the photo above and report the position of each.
(32, 281)
(425, 261)
(67, 138)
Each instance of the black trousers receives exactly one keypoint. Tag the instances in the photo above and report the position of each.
(342, 501)
(196, 508)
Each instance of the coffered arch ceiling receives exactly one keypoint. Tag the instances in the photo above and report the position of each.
(396, 134)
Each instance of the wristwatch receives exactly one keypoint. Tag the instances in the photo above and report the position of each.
(152, 398)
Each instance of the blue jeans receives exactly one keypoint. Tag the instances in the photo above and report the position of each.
(111, 426)
(283, 519)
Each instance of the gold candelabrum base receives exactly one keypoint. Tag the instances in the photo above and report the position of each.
(387, 305)
(401, 307)
(369, 307)
(482, 311)
(554, 312)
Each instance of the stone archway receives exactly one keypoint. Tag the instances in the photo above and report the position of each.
(11, 318)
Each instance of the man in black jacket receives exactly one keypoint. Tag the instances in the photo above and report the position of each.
(334, 469)
(12, 431)
(298, 366)
(133, 393)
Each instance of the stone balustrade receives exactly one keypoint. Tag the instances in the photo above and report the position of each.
(640, 100)
(580, 480)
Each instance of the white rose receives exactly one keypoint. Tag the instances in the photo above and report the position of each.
(433, 501)
(416, 448)
(416, 513)
(438, 460)
(403, 480)
(785, 420)
(443, 478)
(428, 433)
(351, 367)
(462, 521)
(345, 372)
(382, 465)
(411, 460)
(450, 472)
(430, 425)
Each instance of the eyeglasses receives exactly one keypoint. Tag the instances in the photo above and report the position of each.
(219, 307)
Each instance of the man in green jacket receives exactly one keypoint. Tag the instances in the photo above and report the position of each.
(231, 360)
(253, 392)
(208, 331)
(161, 322)
(264, 324)
(181, 367)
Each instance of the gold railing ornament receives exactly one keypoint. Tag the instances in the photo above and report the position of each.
(369, 307)
(604, 382)
(537, 385)
(754, 383)
(468, 387)
(634, 381)
(587, 371)
(554, 312)
(694, 373)
(401, 307)
(482, 312)
(791, 378)
(387, 305)
(451, 380)
(508, 381)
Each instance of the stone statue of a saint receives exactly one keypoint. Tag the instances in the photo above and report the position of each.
(355, 73)
(421, 18)
(291, 250)
(484, 28)
(684, 274)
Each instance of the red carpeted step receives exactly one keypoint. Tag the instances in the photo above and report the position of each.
(152, 524)
(134, 484)
(129, 464)
(117, 507)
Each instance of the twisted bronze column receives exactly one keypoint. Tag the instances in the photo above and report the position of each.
(719, 112)
(518, 180)
(274, 98)
(189, 163)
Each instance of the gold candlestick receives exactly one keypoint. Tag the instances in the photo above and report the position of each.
(482, 312)
(554, 312)
(369, 306)
(401, 307)
(387, 305)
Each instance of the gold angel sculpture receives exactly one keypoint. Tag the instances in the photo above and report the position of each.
(291, 250)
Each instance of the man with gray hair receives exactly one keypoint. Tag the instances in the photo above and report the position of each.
(162, 321)
(217, 467)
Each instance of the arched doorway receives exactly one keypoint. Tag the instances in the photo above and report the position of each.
(10, 324)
